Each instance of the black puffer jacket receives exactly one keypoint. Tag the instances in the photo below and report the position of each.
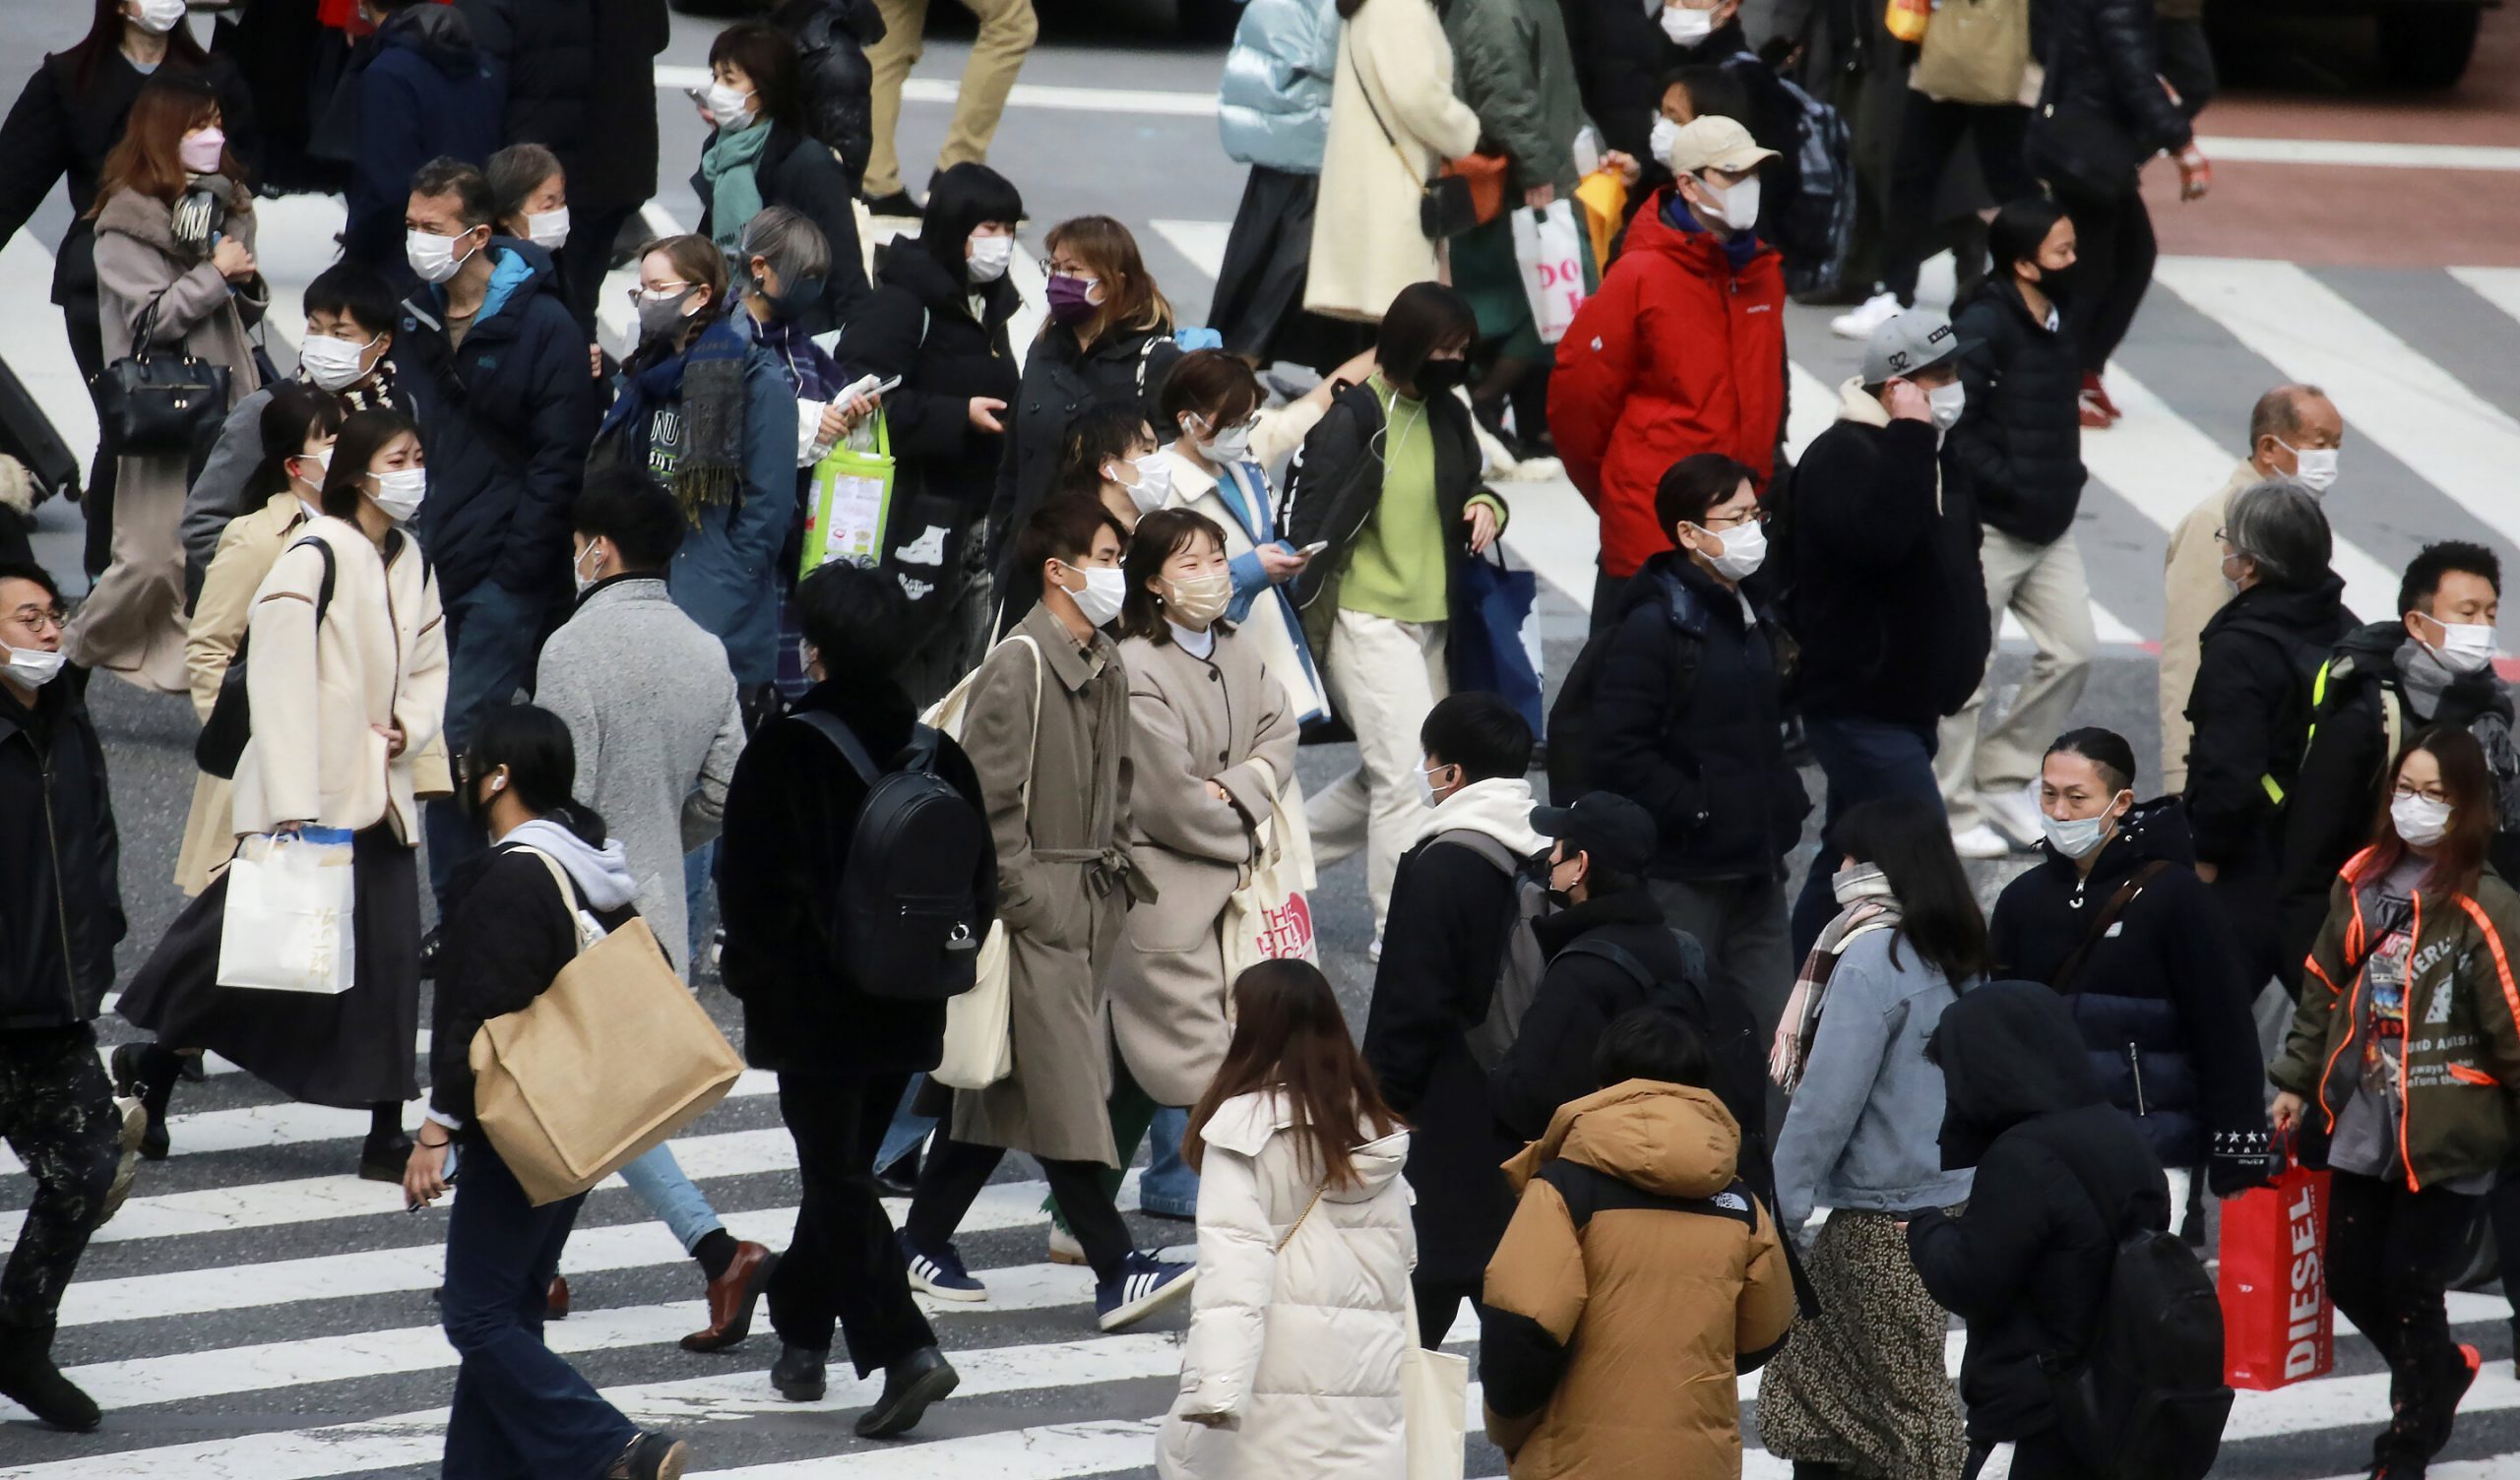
(798, 173)
(621, 107)
(1622, 56)
(832, 38)
(2027, 1263)
(791, 814)
(1707, 759)
(1335, 485)
(2163, 1002)
(1552, 1062)
(60, 879)
(2104, 62)
(2018, 447)
(544, 50)
(2251, 713)
(1062, 378)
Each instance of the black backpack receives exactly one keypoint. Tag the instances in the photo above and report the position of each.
(2147, 1400)
(911, 919)
(222, 741)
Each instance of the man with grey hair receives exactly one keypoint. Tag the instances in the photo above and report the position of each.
(2250, 707)
(2293, 433)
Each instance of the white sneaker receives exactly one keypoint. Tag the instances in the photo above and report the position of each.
(1981, 842)
(1858, 323)
(1064, 1249)
(2014, 816)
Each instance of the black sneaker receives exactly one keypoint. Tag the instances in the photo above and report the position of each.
(910, 1385)
(384, 1158)
(651, 1456)
(898, 205)
(123, 1068)
(798, 1373)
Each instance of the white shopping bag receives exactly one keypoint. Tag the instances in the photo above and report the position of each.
(1549, 247)
(287, 925)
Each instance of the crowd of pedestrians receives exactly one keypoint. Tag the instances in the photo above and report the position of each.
(1000, 808)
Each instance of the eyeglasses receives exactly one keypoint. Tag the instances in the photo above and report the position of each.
(1715, 522)
(36, 619)
(659, 293)
(2429, 793)
(1051, 267)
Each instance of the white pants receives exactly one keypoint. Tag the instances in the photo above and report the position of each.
(1384, 676)
(2044, 586)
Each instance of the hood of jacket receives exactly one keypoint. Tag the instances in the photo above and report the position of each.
(602, 875)
(1857, 405)
(1674, 1140)
(1557, 932)
(1500, 807)
(2286, 614)
(1244, 1124)
(2150, 830)
(440, 33)
(2009, 1051)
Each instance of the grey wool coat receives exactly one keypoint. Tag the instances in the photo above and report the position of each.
(1063, 880)
(1191, 721)
(651, 706)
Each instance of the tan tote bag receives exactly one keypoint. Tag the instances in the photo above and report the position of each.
(607, 1064)
(1434, 1405)
(1974, 51)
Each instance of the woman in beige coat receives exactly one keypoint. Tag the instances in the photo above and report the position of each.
(174, 244)
(1393, 119)
(348, 691)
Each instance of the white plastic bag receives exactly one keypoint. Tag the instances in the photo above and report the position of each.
(1549, 246)
(287, 923)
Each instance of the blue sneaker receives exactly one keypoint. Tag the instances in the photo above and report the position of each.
(1146, 1285)
(940, 1272)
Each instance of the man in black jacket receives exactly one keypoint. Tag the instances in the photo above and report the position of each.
(2061, 1178)
(618, 174)
(841, 1053)
(1610, 950)
(60, 917)
(496, 369)
(1888, 606)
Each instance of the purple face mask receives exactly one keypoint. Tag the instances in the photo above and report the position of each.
(1068, 301)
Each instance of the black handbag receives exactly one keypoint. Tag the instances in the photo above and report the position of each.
(222, 741)
(159, 400)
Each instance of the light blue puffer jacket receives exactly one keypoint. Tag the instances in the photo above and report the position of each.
(1273, 106)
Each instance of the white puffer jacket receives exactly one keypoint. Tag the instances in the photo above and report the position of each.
(1300, 1346)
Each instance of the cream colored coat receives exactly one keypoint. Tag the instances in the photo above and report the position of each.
(1191, 721)
(2192, 590)
(1366, 245)
(379, 658)
(246, 550)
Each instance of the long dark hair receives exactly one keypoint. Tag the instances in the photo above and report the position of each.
(2459, 857)
(1909, 840)
(104, 36)
(1289, 1036)
(1159, 537)
(295, 411)
(361, 438)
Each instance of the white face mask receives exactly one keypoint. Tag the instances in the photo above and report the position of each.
(2313, 467)
(2464, 648)
(548, 229)
(160, 17)
(1225, 447)
(1734, 208)
(989, 257)
(33, 666)
(2078, 837)
(1153, 485)
(311, 468)
(1658, 143)
(1745, 549)
(579, 573)
(334, 364)
(1946, 403)
(1686, 27)
(726, 106)
(2421, 820)
(1105, 588)
(401, 492)
(432, 257)
(1197, 600)
(1426, 785)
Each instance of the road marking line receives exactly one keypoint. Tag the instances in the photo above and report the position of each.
(2499, 286)
(2360, 152)
(1203, 242)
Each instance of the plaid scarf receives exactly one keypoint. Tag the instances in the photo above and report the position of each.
(705, 383)
(1872, 908)
(817, 375)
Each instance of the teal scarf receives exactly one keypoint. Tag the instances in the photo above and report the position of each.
(730, 162)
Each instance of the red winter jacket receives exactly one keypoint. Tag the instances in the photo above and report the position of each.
(1677, 354)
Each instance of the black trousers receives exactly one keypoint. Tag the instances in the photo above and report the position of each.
(2113, 251)
(2390, 1253)
(2043, 1456)
(585, 256)
(1930, 131)
(96, 505)
(951, 1178)
(57, 1113)
(844, 1267)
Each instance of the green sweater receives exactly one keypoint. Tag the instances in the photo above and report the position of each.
(1401, 567)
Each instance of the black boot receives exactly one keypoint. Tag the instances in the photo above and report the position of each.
(26, 1375)
(147, 1072)
(910, 1385)
(798, 1373)
(387, 1151)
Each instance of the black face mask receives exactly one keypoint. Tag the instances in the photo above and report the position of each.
(800, 294)
(1436, 376)
(468, 800)
(2057, 283)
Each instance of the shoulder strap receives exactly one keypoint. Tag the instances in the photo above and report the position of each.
(1146, 351)
(324, 588)
(1485, 845)
(1368, 93)
(2110, 914)
(1297, 1224)
(569, 900)
(843, 739)
(1617, 955)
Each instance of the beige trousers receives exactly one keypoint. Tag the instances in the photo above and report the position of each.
(1007, 29)
(1383, 676)
(2044, 586)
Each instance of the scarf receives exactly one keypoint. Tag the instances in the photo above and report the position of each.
(376, 392)
(706, 383)
(1873, 908)
(200, 213)
(730, 162)
(817, 375)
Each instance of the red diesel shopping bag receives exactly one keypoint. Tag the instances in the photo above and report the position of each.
(2278, 1323)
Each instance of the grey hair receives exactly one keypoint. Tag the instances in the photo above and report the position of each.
(2279, 525)
(2278, 413)
(793, 244)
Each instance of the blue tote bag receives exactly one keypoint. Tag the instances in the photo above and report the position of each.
(1483, 650)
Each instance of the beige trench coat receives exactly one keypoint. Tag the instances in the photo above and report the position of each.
(1062, 881)
(1191, 721)
(2192, 590)
(1366, 243)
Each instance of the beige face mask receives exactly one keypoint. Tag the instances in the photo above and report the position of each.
(1197, 600)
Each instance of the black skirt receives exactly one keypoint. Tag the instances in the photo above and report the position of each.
(353, 1050)
(1259, 301)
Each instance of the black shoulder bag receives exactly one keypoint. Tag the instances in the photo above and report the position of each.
(222, 741)
(159, 401)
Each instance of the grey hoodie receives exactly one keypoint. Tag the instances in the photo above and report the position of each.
(602, 875)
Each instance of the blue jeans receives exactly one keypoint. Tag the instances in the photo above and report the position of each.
(1169, 1185)
(491, 639)
(521, 1413)
(658, 1180)
(1864, 760)
(697, 866)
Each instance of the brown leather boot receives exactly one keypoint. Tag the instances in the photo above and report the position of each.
(732, 1298)
(555, 1301)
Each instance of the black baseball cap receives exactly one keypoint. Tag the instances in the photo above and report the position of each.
(1618, 834)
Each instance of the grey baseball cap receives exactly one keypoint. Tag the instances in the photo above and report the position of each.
(1911, 342)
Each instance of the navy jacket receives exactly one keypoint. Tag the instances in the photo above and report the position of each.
(509, 414)
(418, 89)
